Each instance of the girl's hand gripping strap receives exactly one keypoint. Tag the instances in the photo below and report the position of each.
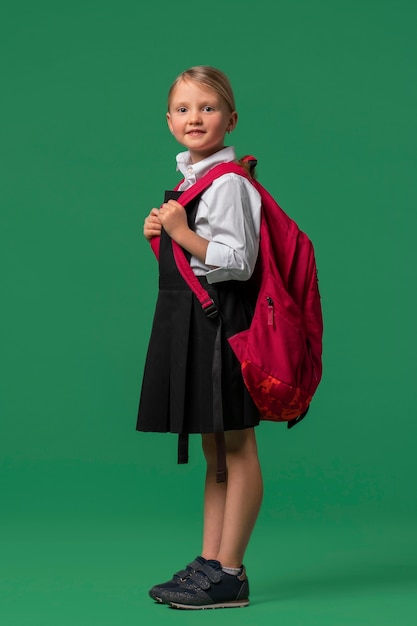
(208, 305)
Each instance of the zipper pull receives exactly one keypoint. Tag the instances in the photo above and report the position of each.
(270, 311)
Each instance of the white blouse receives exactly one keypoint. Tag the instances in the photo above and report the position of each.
(228, 215)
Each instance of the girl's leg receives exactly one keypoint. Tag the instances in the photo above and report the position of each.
(214, 501)
(231, 508)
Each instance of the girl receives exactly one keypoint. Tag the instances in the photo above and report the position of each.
(220, 233)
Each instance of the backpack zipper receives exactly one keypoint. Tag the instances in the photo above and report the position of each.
(270, 311)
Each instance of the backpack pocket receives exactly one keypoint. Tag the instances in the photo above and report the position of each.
(273, 354)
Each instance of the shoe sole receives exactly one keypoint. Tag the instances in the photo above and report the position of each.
(221, 605)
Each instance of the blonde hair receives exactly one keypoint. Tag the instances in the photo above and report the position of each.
(209, 77)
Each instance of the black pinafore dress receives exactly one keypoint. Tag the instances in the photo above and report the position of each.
(178, 391)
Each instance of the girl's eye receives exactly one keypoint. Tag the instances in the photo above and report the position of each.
(181, 109)
(208, 109)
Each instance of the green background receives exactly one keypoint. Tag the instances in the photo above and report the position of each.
(93, 513)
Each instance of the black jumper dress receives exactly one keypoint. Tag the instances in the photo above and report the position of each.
(192, 380)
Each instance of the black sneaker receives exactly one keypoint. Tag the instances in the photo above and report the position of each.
(157, 591)
(209, 587)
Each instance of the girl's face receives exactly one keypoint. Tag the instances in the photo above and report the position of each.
(199, 118)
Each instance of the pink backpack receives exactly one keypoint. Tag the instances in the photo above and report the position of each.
(280, 353)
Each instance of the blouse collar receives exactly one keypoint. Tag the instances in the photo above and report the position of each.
(194, 171)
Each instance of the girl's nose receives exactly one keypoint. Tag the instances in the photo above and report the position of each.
(195, 117)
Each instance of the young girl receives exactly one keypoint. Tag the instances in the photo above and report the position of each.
(186, 387)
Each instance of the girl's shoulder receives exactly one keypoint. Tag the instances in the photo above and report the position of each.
(234, 183)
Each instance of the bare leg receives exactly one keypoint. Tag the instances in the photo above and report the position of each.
(214, 502)
(231, 508)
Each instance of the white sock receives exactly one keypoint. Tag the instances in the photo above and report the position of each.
(234, 571)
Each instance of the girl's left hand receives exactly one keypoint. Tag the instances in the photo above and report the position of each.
(173, 218)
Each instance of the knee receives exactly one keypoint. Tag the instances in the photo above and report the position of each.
(241, 443)
(240, 446)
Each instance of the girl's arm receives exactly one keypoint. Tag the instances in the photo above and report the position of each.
(229, 216)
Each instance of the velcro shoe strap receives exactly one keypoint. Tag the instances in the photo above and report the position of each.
(182, 574)
(195, 565)
(213, 574)
(199, 580)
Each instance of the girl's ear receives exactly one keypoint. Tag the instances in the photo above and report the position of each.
(232, 122)
(169, 123)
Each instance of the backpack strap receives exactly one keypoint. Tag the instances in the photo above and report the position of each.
(208, 305)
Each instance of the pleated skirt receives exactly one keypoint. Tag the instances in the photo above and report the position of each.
(178, 393)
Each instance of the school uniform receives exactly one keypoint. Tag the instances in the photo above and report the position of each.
(192, 380)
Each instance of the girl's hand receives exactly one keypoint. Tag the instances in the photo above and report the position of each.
(152, 226)
(173, 218)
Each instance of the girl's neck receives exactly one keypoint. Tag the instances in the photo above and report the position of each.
(199, 157)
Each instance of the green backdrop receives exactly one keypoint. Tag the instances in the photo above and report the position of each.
(326, 93)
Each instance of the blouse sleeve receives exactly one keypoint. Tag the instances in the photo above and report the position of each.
(233, 208)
